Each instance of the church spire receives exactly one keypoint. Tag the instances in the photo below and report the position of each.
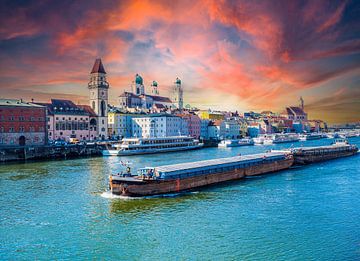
(98, 67)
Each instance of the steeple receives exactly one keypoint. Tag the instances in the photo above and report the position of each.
(98, 67)
(301, 103)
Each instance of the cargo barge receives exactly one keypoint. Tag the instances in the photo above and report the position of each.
(307, 155)
(186, 176)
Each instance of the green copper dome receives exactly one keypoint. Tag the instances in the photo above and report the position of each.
(138, 79)
(178, 81)
(154, 83)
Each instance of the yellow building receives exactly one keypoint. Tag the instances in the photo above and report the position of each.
(120, 123)
(211, 115)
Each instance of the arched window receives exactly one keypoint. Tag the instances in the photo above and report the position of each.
(93, 105)
(103, 108)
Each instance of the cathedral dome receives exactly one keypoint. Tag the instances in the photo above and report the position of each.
(178, 81)
(154, 83)
(138, 79)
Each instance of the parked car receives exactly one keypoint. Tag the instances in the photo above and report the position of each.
(60, 143)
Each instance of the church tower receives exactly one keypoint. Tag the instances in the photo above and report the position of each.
(177, 98)
(301, 103)
(98, 88)
(154, 88)
(139, 88)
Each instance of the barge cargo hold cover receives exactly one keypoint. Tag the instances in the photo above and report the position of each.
(185, 176)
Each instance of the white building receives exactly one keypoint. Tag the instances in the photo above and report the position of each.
(140, 100)
(230, 129)
(214, 130)
(158, 125)
(120, 123)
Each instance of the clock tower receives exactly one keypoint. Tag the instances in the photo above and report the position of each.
(98, 88)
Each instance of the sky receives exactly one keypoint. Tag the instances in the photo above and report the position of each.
(230, 55)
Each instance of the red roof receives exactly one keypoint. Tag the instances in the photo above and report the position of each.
(98, 67)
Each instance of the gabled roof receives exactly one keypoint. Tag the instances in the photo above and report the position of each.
(129, 94)
(297, 110)
(63, 107)
(98, 67)
(159, 98)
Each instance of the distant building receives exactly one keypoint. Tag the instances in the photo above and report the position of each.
(211, 115)
(193, 123)
(22, 123)
(229, 129)
(204, 126)
(158, 125)
(294, 113)
(214, 129)
(140, 100)
(66, 120)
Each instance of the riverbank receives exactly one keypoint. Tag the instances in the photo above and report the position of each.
(24, 153)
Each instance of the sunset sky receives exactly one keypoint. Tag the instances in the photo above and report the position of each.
(230, 55)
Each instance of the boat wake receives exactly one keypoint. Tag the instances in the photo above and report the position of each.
(109, 195)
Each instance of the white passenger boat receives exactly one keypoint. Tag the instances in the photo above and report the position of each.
(259, 140)
(136, 146)
(311, 136)
(284, 138)
(235, 143)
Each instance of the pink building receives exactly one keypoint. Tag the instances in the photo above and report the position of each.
(193, 122)
(66, 120)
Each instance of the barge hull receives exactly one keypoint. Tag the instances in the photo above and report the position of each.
(301, 159)
(155, 187)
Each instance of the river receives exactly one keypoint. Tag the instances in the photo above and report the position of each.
(58, 210)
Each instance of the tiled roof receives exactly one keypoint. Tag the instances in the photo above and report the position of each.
(98, 67)
(159, 98)
(129, 94)
(19, 103)
(88, 109)
(297, 110)
(63, 107)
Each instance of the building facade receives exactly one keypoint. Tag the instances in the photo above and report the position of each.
(158, 125)
(211, 115)
(66, 120)
(22, 123)
(230, 129)
(120, 123)
(194, 124)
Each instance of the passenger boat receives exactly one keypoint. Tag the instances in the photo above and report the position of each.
(235, 143)
(185, 176)
(136, 146)
(311, 136)
(280, 138)
(260, 139)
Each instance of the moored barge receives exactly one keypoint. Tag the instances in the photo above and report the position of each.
(186, 176)
(307, 155)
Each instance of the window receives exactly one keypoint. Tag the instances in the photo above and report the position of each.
(21, 129)
(103, 108)
(93, 105)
